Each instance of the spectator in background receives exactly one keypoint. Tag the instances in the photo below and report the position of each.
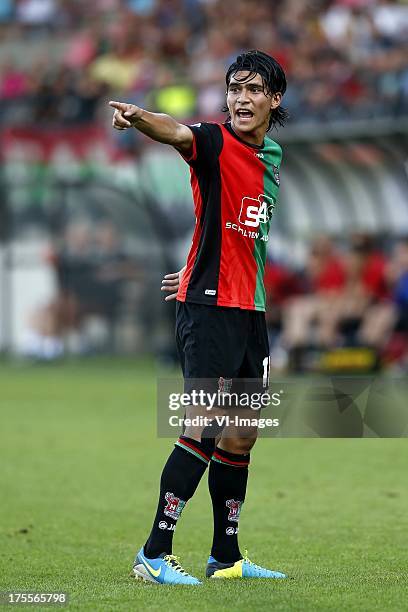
(370, 264)
(364, 311)
(82, 48)
(49, 323)
(308, 318)
(141, 7)
(91, 269)
(36, 12)
(348, 300)
(14, 82)
(391, 20)
(6, 10)
(112, 269)
(396, 350)
(359, 311)
(281, 285)
(398, 273)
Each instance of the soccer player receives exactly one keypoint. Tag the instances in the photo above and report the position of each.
(220, 314)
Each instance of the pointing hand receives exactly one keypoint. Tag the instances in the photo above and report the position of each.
(125, 115)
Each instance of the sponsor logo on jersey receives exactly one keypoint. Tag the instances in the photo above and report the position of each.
(246, 233)
(174, 506)
(255, 211)
(234, 506)
(210, 292)
(259, 155)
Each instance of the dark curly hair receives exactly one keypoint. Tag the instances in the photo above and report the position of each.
(273, 78)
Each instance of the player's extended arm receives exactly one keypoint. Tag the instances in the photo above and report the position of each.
(158, 126)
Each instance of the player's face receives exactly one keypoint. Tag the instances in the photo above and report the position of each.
(250, 106)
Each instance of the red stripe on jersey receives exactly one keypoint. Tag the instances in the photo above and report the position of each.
(238, 267)
(198, 206)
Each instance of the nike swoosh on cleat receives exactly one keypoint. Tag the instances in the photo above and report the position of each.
(154, 573)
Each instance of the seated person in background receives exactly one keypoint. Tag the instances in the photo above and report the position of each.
(396, 350)
(91, 269)
(399, 275)
(111, 267)
(281, 284)
(361, 313)
(307, 318)
(370, 310)
(71, 263)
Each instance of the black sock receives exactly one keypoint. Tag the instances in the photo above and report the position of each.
(179, 480)
(227, 481)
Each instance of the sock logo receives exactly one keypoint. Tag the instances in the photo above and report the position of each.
(163, 525)
(234, 506)
(174, 506)
(232, 530)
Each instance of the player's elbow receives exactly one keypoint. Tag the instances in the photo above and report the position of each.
(183, 138)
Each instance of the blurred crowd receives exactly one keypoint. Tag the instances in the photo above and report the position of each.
(61, 60)
(347, 295)
(355, 296)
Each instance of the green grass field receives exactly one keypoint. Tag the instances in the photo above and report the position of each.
(80, 463)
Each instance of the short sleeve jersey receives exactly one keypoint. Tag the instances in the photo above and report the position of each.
(235, 187)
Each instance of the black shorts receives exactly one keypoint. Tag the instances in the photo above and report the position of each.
(226, 346)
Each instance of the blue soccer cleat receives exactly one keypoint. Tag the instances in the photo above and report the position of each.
(165, 569)
(244, 568)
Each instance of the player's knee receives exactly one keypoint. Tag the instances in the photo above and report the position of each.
(206, 443)
(207, 436)
(238, 446)
(193, 432)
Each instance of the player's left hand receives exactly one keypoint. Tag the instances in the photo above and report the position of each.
(171, 283)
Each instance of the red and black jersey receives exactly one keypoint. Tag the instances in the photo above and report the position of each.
(235, 187)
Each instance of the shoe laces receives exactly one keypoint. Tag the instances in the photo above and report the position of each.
(254, 565)
(246, 558)
(174, 562)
